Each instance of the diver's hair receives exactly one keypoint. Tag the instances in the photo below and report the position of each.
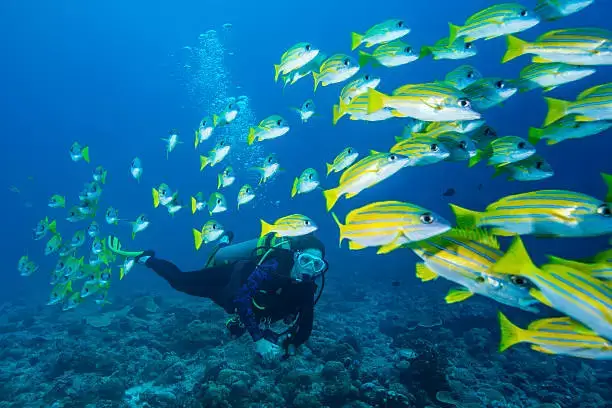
(305, 242)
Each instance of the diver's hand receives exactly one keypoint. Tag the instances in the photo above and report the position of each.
(267, 350)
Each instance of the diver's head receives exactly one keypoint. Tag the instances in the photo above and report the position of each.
(308, 258)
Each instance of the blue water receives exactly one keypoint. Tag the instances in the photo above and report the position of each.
(111, 75)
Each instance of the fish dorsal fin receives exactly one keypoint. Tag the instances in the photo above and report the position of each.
(561, 324)
(478, 234)
(424, 273)
(458, 295)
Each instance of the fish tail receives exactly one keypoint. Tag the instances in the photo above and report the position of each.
(203, 162)
(219, 179)
(476, 158)
(85, 153)
(535, 135)
(53, 226)
(337, 113)
(425, 51)
(340, 227)
(155, 198)
(453, 31)
(133, 234)
(466, 219)
(510, 334)
(197, 140)
(608, 180)
(557, 109)
(376, 100)
(194, 205)
(276, 72)
(121, 273)
(294, 188)
(365, 58)
(515, 261)
(516, 48)
(197, 239)
(265, 228)
(525, 85)
(251, 136)
(356, 40)
(315, 77)
(215, 120)
(331, 197)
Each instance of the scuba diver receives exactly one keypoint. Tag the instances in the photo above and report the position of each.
(259, 282)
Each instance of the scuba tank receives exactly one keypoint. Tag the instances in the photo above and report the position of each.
(232, 253)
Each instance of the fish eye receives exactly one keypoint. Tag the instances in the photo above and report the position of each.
(518, 280)
(347, 62)
(307, 47)
(307, 105)
(464, 103)
(480, 279)
(248, 190)
(427, 218)
(500, 85)
(523, 13)
(489, 132)
(521, 145)
(279, 122)
(604, 210)
(349, 150)
(539, 165)
(470, 74)
(463, 145)
(408, 50)
(306, 222)
(392, 157)
(434, 147)
(400, 24)
(214, 226)
(218, 201)
(468, 45)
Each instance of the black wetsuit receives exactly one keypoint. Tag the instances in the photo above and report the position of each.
(257, 293)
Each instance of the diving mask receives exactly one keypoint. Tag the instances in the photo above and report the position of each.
(306, 260)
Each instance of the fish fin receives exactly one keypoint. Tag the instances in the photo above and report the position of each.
(476, 158)
(265, 228)
(251, 136)
(374, 152)
(336, 114)
(121, 273)
(155, 198)
(540, 297)
(535, 135)
(510, 334)
(425, 51)
(516, 48)
(455, 295)
(85, 153)
(340, 227)
(549, 88)
(365, 58)
(203, 162)
(194, 205)
(219, 178)
(376, 100)
(539, 60)
(197, 239)
(498, 172)
(424, 273)
(354, 246)
(330, 168)
(356, 40)
(503, 233)
(276, 72)
(315, 77)
(331, 197)
(52, 226)
(133, 235)
(608, 181)
(294, 188)
(571, 264)
(197, 140)
(516, 261)
(557, 109)
(541, 349)
(474, 234)
(453, 30)
(391, 246)
(583, 118)
(466, 219)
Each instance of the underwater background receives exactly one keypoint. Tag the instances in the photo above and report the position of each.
(117, 76)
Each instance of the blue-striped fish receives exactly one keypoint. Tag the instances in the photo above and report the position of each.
(570, 291)
(226, 178)
(568, 128)
(599, 266)
(270, 128)
(503, 151)
(465, 257)
(389, 225)
(557, 335)
(557, 213)
(307, 110)
(459, 145)
(343, 160)
(596, 91)
(589, 109)
(358, 87)
(211, 231)
(576, 46)
(430, 102)
(460, 126)
(460, 49)
(198, 202)
(533, 168)
(218, 153)
(294, 225)
(380, 33)
(358, 110)
(268, 169)
(216, 203)
(389, 55)
(245, 195)
(313, 66)
(227, 116)
(495, 21)
(483, 136)
(294, 58)
(335, 69)
(307, 182)
(412, 126)
(550, 75)
(462, 76)
(204, 132)
(489, 92)
(421, 150)
(366, 173)
(550, 10)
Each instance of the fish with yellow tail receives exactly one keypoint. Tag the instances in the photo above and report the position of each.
(228, 115)
(294, 225)
(358, 87)
(389, 55)
(503, 151)
(389, 225)
(198, 202)
(295, 58)
(570, 291)
(567, 128)
(358, 110)
(172, 141)
(335, 69)
(462, 76)
(245, 195)
(589, 109)
(307, 182)
(162, 195)
(216, 203)
(226, 178)
(557, 335)
(270, 128)
(204, 132)
(141, 224)
(533, 168)
(365, 173)
(380, 33)
(551, 10)
(216, 155)
(268, 169)
(599, 266)
(459, 49)
(421, 149)
(551, 213)
(343, 160)
(211, 231)
(465, 258)
(78, 152)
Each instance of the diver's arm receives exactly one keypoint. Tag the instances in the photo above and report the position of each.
(302, 329)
